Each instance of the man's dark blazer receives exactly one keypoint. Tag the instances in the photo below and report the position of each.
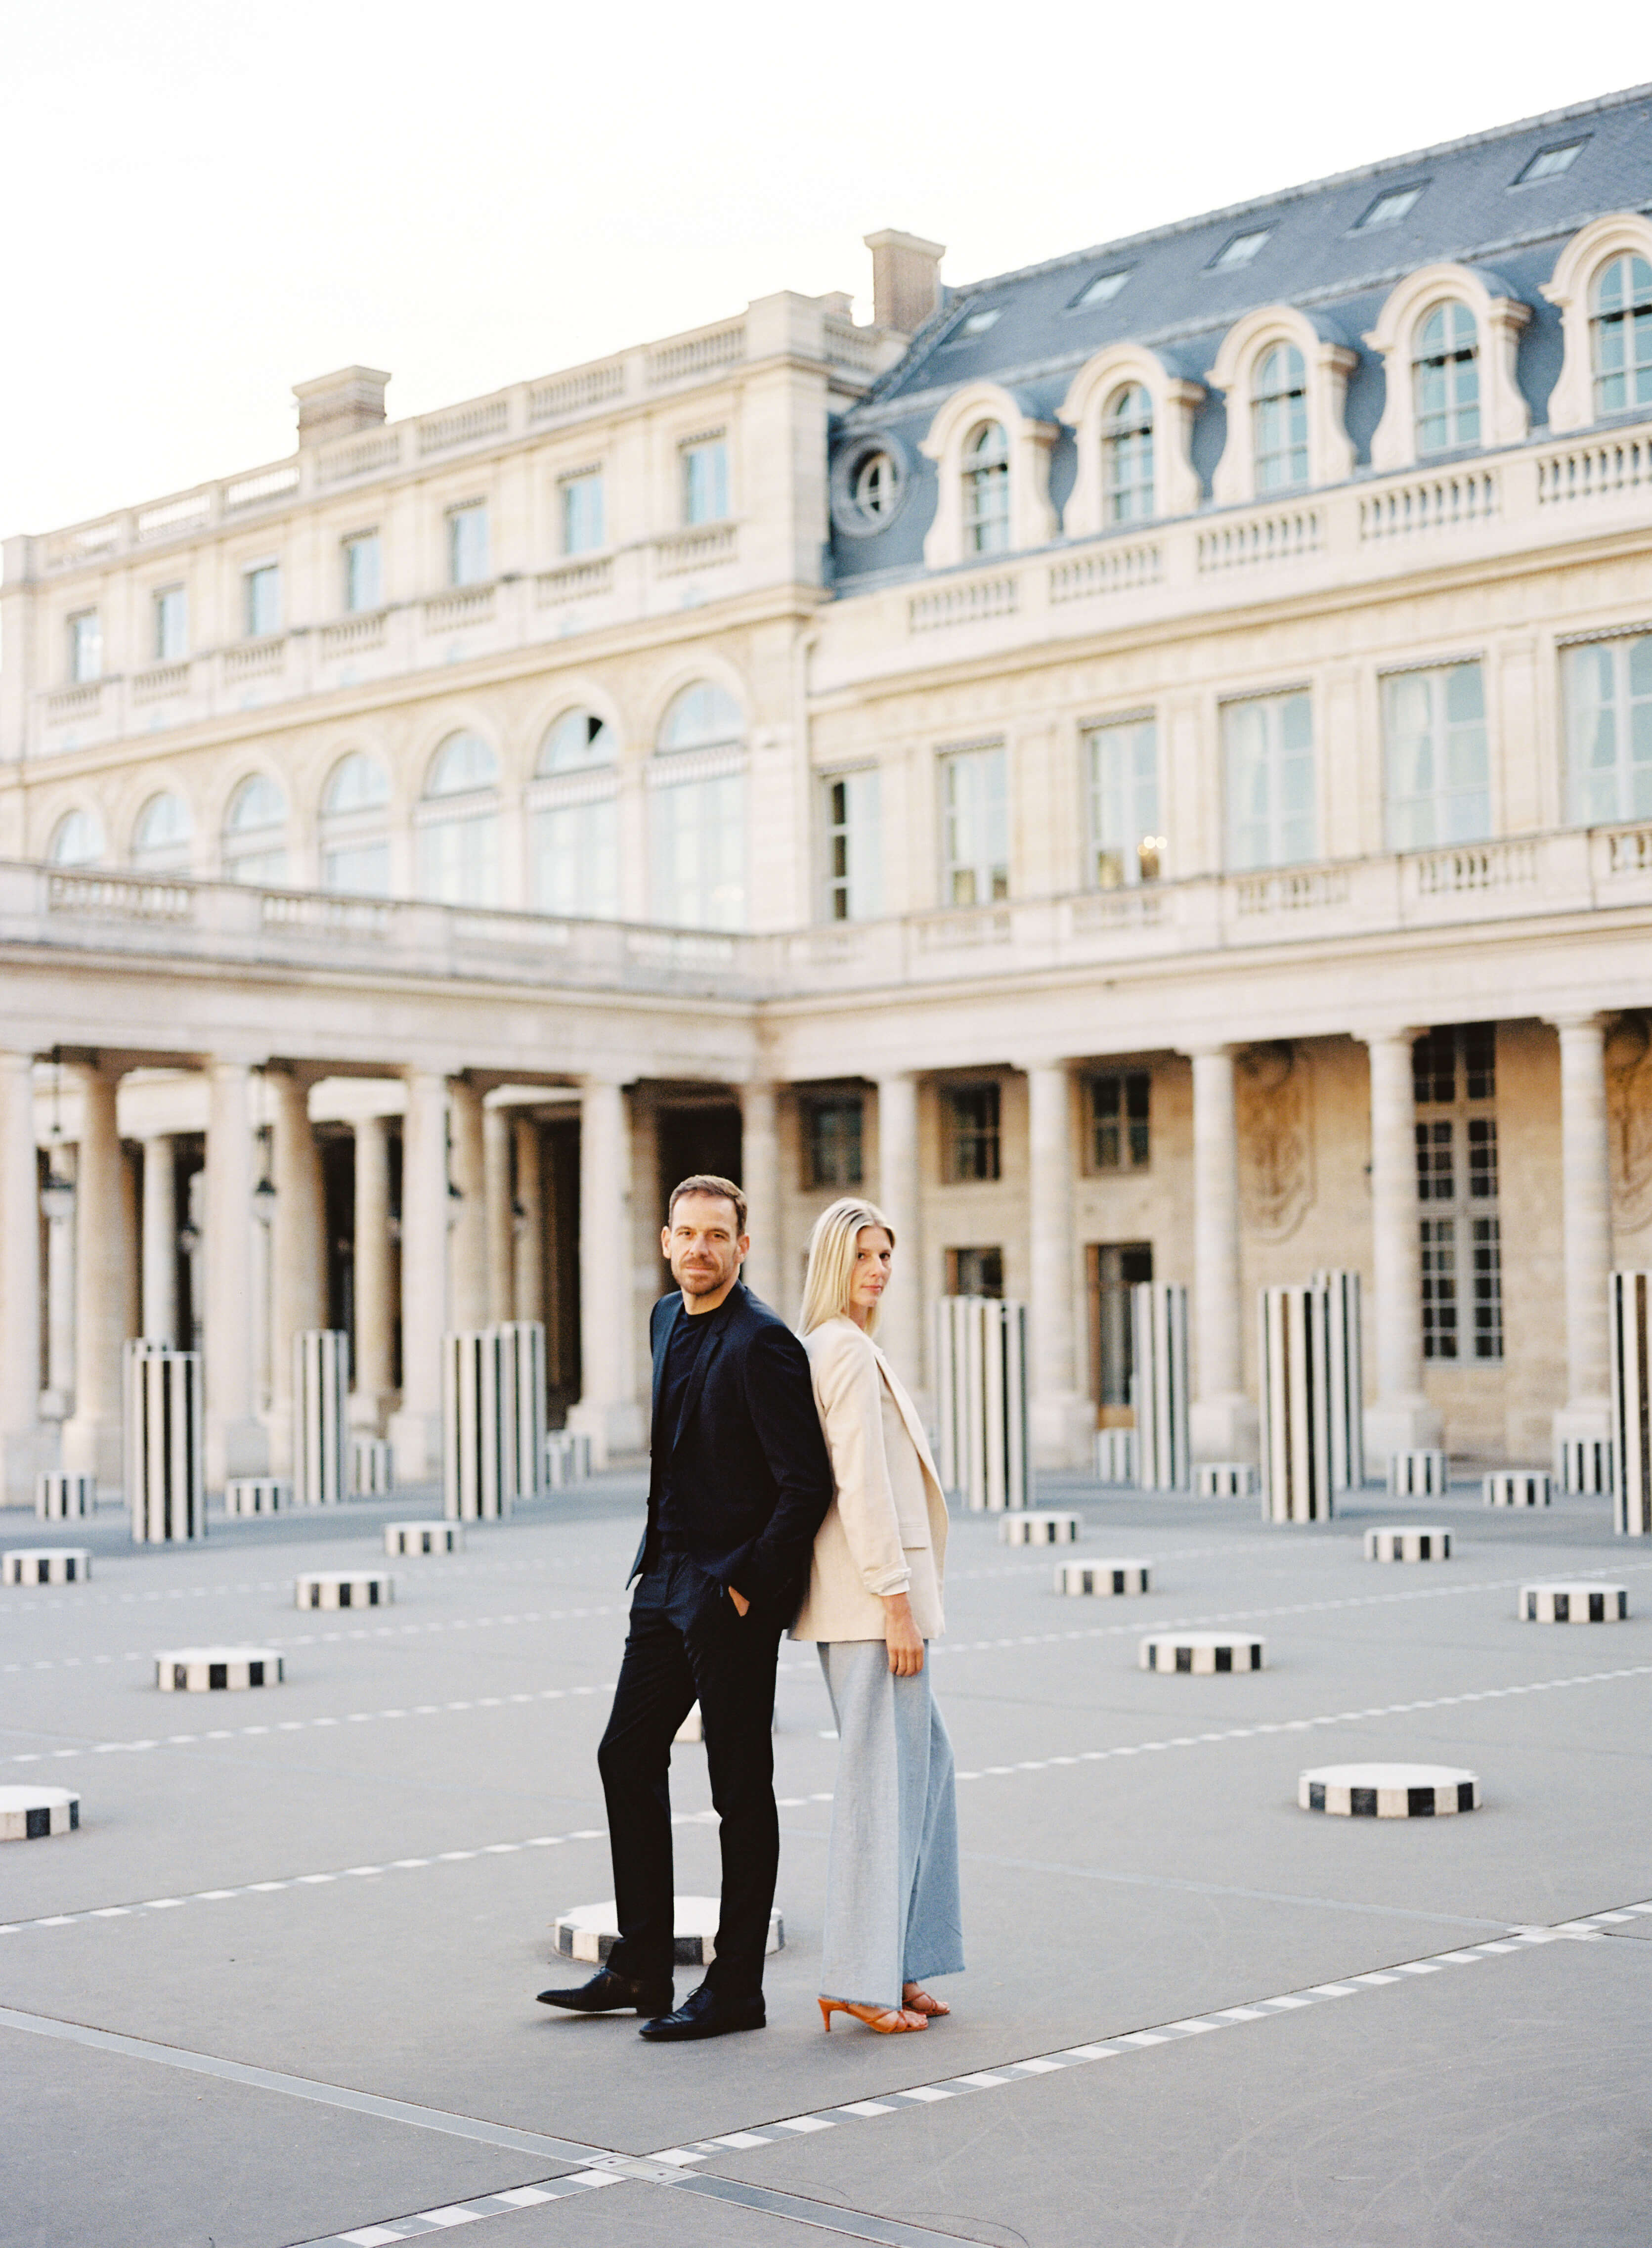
(750, 1476)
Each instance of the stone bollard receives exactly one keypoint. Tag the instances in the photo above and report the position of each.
(1408, 1542)
(246, 1495)
(1573, 1603)
(1425, 1474)
(1516, 1487)
(64, 1495)
(1040, 1529)
(1388, 1791)
(46, 1565)
(216, 1670)
(31, 1813)
(422, 1538)
(1201, 1653)
(1225, 1479)
(371, 1468)
(343, 1589)
(1099, 1580)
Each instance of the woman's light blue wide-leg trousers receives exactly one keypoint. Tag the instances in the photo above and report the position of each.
(892, 1913)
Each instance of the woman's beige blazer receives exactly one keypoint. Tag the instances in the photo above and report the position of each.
(885, 1529)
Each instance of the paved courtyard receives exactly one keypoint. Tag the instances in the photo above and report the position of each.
(279, 1988)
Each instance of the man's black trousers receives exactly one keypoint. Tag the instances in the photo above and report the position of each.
(687, 1642)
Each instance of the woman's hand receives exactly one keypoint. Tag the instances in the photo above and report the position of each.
(901, 1636)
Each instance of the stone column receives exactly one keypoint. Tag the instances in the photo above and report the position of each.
(91, 1436)
(528, 1222)
(160, 1315)
(23, 1437)
(495, 1179)
(1585, 1202)
(372, 1267)
(1222, 1421)
(236, 1443)
(1401, 1418)
(901, 1322)
(416, 1428)
(61, 1269)
(470, 1251)
(1061, 1419)
(609, 1411)
(760, 1177)
(298, 1246)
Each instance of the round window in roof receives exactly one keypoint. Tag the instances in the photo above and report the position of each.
(870, 480)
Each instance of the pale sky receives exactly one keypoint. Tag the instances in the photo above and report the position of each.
(209, 200)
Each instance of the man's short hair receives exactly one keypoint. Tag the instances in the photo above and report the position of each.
(708, 1183)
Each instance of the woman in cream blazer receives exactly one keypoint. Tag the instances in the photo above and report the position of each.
(873, 1603)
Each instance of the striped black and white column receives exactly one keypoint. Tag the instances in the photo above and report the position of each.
(1159, 1385)
(1346, 1370)
(320, 1422)
(981, 1385)
(1631, 1319)
(64, 1495)
(1298, 1469)
(163, 1459)
(371, 1468)
(475, 1482)
(522, 1404)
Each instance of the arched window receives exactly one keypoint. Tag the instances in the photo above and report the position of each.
(574, 836)
(160, 839)
(1279, 419)
(355, 843)
(579, 738)
(255, 847)
(1445, 375)
(1126, 439)
(459, 824)
(699, 815)
(77, 841)
(1620, 334)
(986, 489)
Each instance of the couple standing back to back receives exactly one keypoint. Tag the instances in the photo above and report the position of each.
(791, 1484)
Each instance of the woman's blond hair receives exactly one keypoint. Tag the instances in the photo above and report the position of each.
(832, 1253)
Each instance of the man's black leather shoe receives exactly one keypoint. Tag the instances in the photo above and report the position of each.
(705, 2013)
(607, 1993)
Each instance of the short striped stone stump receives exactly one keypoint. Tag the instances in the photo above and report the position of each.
(46, 1565)
(1040, 1530)
(1225, 1479)
(256, 1494)
(1115, 1454)
(344, 1588)
(31, 1814)
(1203, 1653)
(216, 1670)
(1103, 1580)
(371, 1468)
(422, 1538)
(1585, 1465)
(1410, 1543)
(1419, 1475)
(1388, 1791)
(64, 1495)
(590, 1931)
(567, 1458)
(1516, 1487)
(1580, 1603)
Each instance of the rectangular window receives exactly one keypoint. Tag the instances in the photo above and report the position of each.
(261, 600)
(360, 868)
(1454, 1079)
(1115, 1268)
(363, 573)
(468, 558)
(1119, 1112)
(580, 500)
(974, 1273)
(699, 854)
(975, 814)
(1439, 780)
(1608, 717)
(705, 480)
(833, 1142)
(86, 646)
(972, 1138)
(576, 859)
(1126, 846)
(171, 641)
(854, 848)
(1269, 745)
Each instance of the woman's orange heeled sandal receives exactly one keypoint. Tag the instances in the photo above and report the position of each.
(888, 2021)
(917, 2000)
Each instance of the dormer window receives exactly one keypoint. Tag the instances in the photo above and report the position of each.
(1240, 250)
(1102, 290)
(986, 489)
(975, 323)
(1279, 420)
(1388, 209)
(1549, 163)
(1446, 378)
(1126, 436)
(1621, 335)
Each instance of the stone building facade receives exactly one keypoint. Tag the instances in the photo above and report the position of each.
(1144, 763)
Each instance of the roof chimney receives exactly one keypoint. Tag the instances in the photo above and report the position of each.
(337, 405)
(906, 279)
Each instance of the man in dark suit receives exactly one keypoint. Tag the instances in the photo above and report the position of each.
(740, 1482)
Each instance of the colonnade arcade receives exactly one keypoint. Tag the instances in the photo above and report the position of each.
(230, 1201)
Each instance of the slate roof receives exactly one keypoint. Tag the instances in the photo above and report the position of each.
(1473, 208)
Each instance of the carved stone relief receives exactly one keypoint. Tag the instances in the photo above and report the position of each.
(1629, 1108)
(1273, 1110)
